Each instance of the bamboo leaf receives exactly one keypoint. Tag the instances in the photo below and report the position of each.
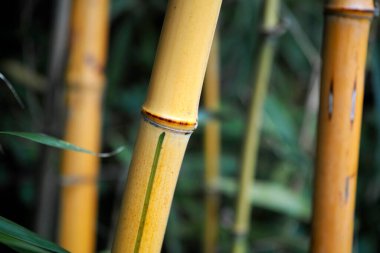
(271, 196)
(22, 240)
(57, 143)
(10, 87)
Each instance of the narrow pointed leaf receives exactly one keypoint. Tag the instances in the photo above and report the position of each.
(57, 143)
(10, 87)
(22, 240)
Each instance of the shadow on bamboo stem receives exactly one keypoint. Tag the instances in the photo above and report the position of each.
(251, 141)
(347, 24)
(212, 148)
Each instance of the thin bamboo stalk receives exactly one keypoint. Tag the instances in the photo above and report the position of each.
(347, 26)
(251, 142)
(169, 117)
(212, 148)
(48, 176)
(85, 84)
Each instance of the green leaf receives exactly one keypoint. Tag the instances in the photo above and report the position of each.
(24, 241)
(10, 87)
(271, 196)
(57, 143)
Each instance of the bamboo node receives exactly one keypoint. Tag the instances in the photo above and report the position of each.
(169, 124)
(274, 31)
(71, 180)
(212, 187)
(366, 13)
(240, 234)
(84, 87)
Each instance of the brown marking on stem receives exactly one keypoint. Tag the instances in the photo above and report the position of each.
(351, 12)
(72, 38)
(171, 123)
(331, 99)
(91, 61)
(347, 188)
(353, 104)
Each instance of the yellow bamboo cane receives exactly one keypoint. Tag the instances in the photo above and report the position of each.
(212, 148)
(243, 207)
(169, 116)
(85, 83)
(347, 26)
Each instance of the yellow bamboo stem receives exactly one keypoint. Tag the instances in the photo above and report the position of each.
(212, 148)
(169, 116)
(85, 83)
(243, 207)
(347, 26)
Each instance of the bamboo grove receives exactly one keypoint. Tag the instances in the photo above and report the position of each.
(247, 158)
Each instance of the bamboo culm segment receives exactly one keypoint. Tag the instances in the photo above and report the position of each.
(251, 141)
(212, 149)
(170, 110)
(148, 236)
(85, 81)
(340, 115)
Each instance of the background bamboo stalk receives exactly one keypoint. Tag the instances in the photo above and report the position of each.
(212, 148)
(85, 83)
(170, 115)
(48, 175)
(342, 87)
(251, 141)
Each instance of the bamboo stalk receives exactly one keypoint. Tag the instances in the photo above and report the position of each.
(85, 84)
(48, 176)
(212, 148)
(347, 24)
(251, 142)
(169, 117)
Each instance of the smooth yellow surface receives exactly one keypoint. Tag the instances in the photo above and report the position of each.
(172, 101)
(170, 160)
(340, 115)
(85, 81)
(212, 149)
(88, 43)
(181, 59)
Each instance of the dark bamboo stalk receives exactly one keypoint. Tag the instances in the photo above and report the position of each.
(48, 176)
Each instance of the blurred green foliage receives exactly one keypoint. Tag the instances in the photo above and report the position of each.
(23, 240)
(278, 225)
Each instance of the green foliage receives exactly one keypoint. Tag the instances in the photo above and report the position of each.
(271, 196)
(56, 143)
(25, 241)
